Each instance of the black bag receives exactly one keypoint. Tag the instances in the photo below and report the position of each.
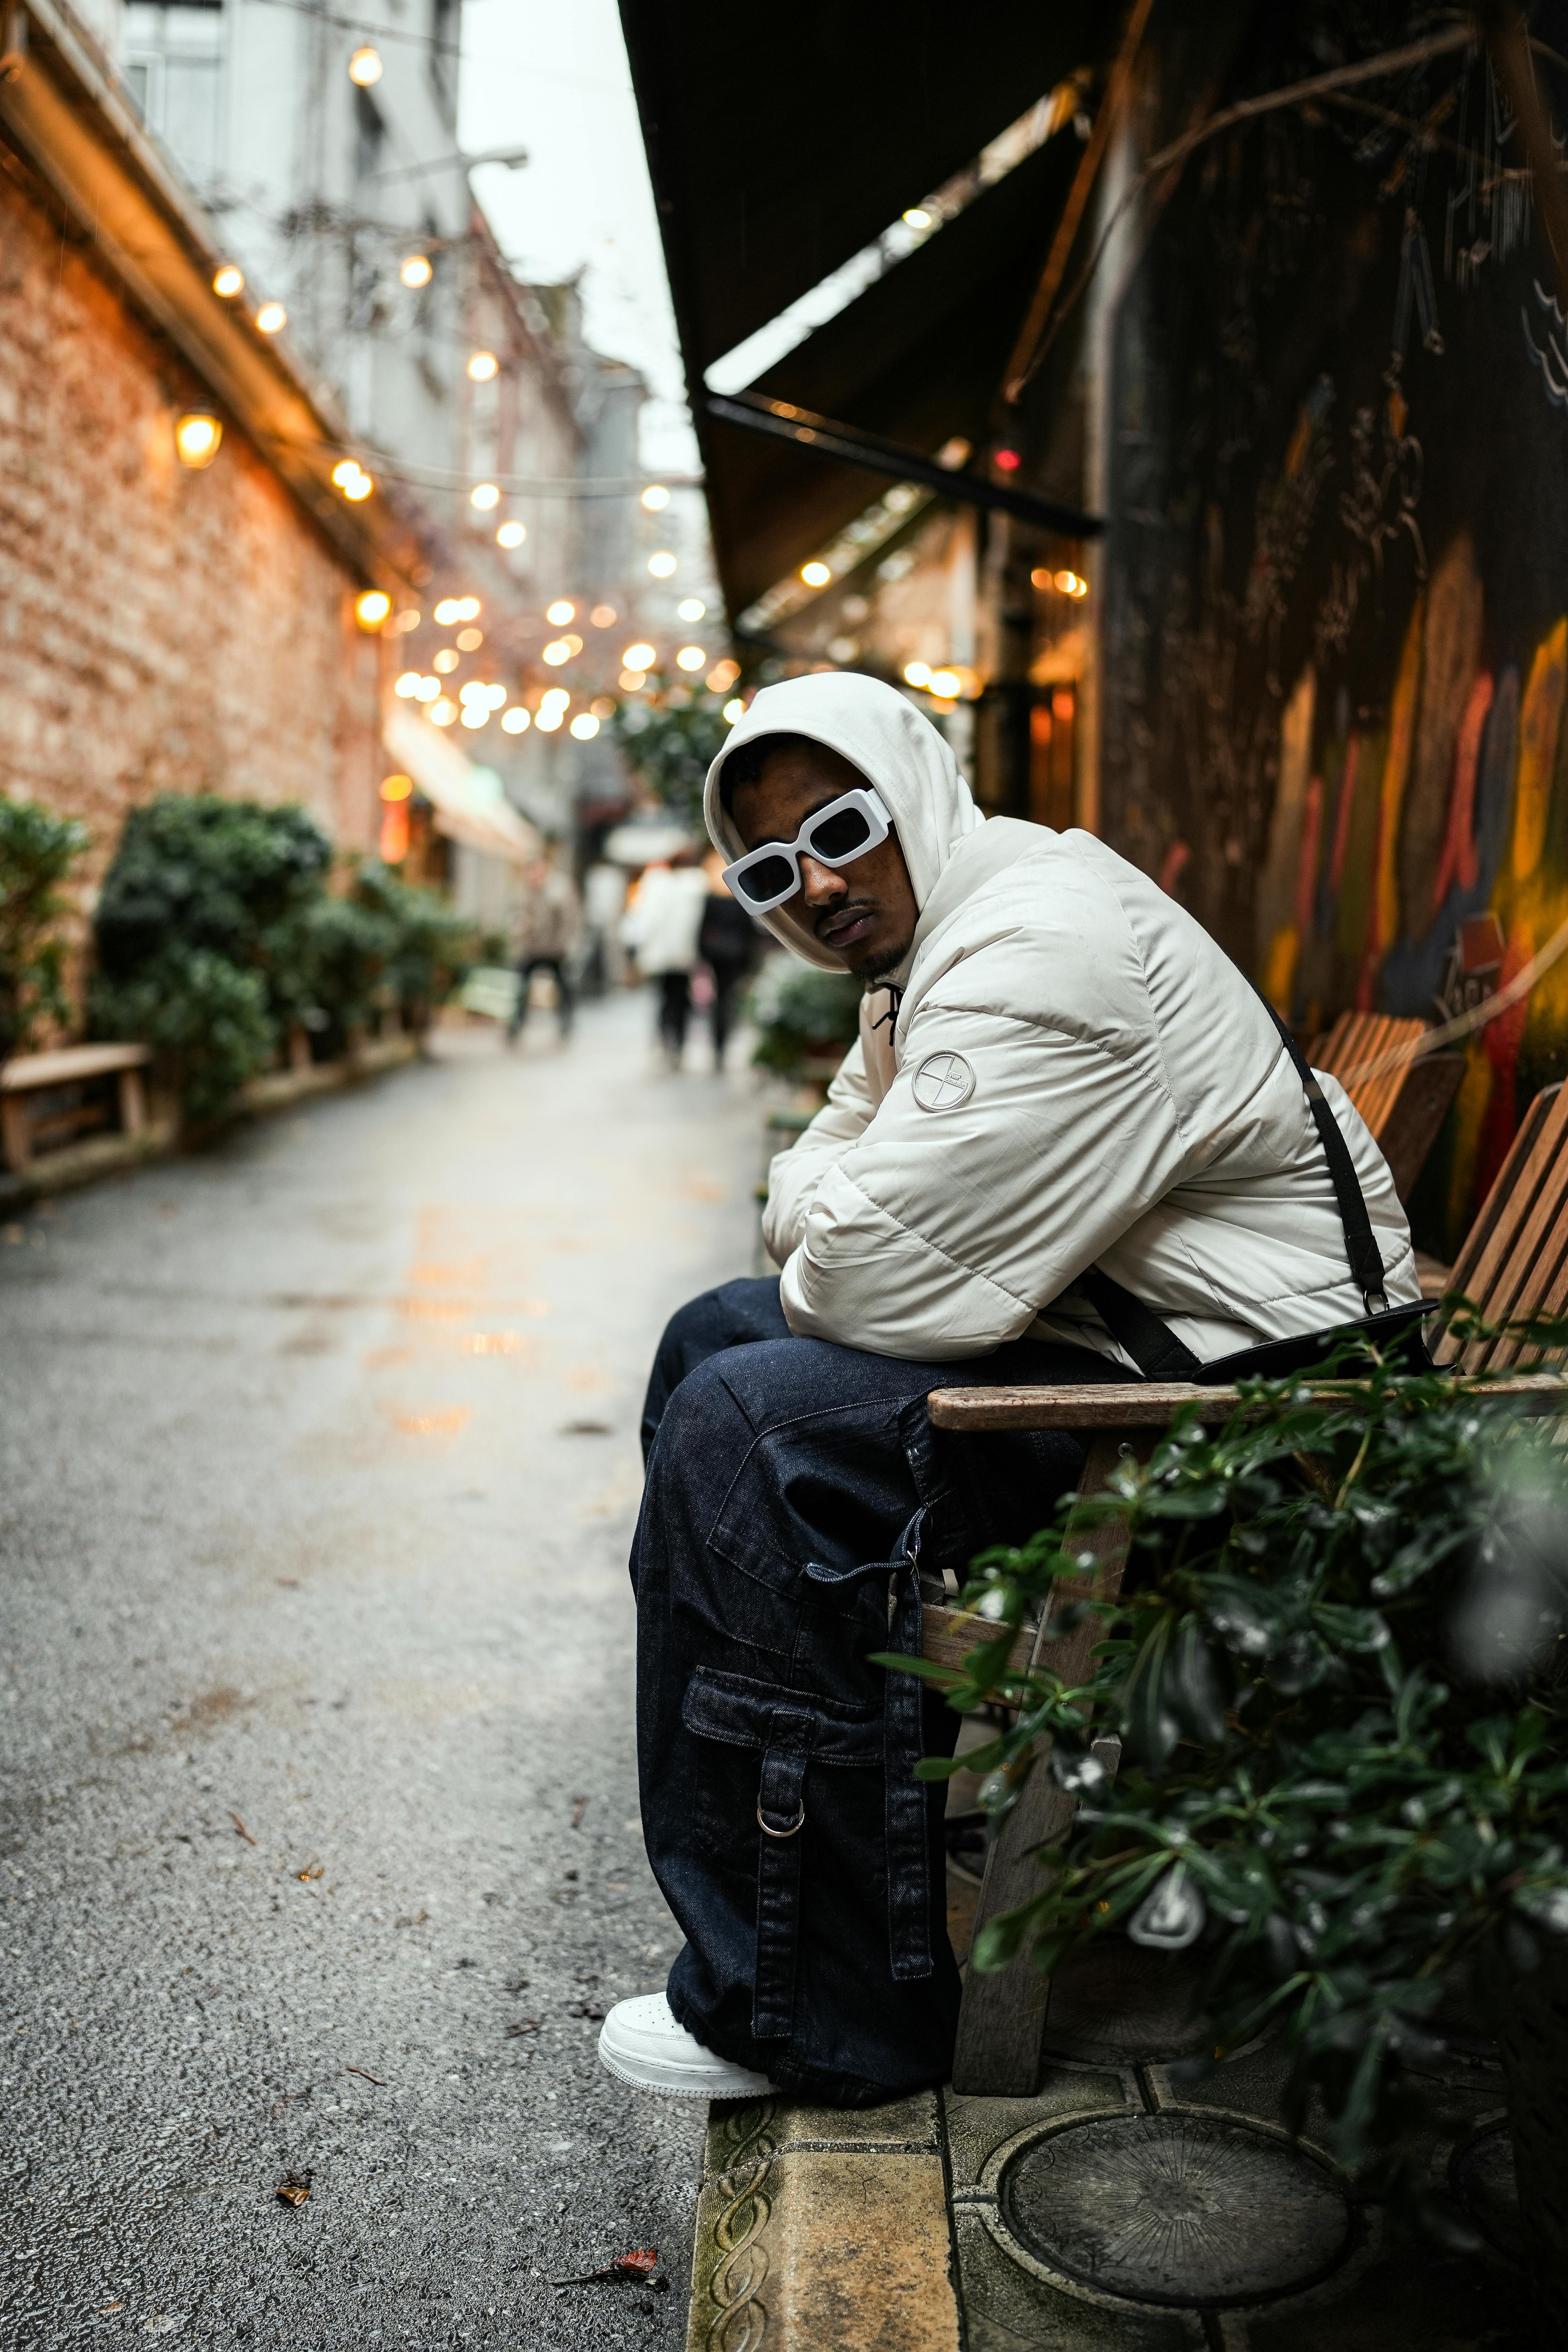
(1161, 1355)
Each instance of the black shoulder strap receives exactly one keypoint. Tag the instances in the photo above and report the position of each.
(1150, 1341)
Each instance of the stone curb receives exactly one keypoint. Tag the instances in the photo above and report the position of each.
(819, 2228)
(113, 1155)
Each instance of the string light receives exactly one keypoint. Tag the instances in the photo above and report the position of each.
(364, 67)
(691, 608)
(815, 575)
(476, 714)
(584, 726)
(482, 365)
(655, 498)
(917, 217)
(690, 658)
(515, 722)
(470, 640)
(427, 690)
(632, 681)
(196, 438)
(512, 535)
(661, 564)
(946, 683)
(371, 606)
(447, 660)
(270, 318)
(417, 271)
(396, 788)
(917, 673)
(408, 686)
(484, 495)
(1071, 584)
(443, 712)
(554, 697)
(639, 656)
(229, 281)
(466, 609)
(722, 676)
(559, 612)
(351, 478)
(733, 710)
(604, 617)
(551, 714)
(558, 650)
(602, 706)
(361, 488)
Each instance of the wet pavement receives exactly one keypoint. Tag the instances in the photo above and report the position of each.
(319, 1844)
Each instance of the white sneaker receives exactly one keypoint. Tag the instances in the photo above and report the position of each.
(640, 2041)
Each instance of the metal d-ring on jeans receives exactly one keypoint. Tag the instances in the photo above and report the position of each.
(797, 1498)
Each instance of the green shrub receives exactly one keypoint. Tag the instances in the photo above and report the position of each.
(432, 949)
(670, 735)
(38, 850)
(800, 1012)
(1344, 1766)
(202, 926)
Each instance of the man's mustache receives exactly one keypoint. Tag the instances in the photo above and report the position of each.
(846, 907)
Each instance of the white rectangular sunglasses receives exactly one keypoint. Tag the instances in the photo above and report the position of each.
(845, 829)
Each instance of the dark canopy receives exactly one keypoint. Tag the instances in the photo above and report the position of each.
(780, 144)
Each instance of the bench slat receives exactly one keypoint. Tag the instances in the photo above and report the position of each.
(1151, 1404)
(68, 1063)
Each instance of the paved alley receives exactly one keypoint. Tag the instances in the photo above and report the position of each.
(319, 1841)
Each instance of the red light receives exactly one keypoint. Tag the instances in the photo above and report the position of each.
(1009, 460)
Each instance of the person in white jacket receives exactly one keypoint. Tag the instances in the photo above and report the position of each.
(661, 928)
(1072, 1143)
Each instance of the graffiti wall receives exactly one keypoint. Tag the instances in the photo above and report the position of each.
(1336, 629)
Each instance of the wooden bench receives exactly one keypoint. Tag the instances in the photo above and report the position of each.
(32, 1075)
(1514, 1263)
(1404, 1106)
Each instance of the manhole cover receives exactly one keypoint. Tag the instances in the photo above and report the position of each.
(1175, 2209)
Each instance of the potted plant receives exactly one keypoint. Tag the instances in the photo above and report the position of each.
(1334, 1669)
(805, 1020)
(38, 850)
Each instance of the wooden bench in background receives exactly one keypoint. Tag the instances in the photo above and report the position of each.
(1514, 1263)
(24, 1118)
(1403, 1107)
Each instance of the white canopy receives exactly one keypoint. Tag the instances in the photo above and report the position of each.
(468, 799)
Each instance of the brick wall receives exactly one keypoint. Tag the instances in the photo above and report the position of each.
(160, 630)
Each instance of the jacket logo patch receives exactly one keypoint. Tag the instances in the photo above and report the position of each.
(942, 1082)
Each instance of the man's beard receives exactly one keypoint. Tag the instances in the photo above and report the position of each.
(880, 965)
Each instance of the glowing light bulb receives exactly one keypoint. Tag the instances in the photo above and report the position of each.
(691, 608)
(604, 617)
(1071, 584)
(655, 498)
(632, 681)
(558, 650)
(371, 606)
(447, 612)
(482, 365)
(639, 656)
(470, 640)
(485, 495)
(443, 712)
(733, 710)
(512, 535)
(661, 564)
(815, 575)
(364, 67)
(359, 489)
(559, 612)
(515, 722)
(1008, 460)
(396, 788)
(472, 691)
(602, 706)
(584, 726)
(917, 217)
(229, 281)
(417, 270)
(476, 714)
(551, 714)
(447, 660)
(270, 318)
(196, 438)
(408, 685)
(690, 658)
(722, 676)
(427, 690)
(946, 683)
(467, 608)
(554, 697)
(917, 673)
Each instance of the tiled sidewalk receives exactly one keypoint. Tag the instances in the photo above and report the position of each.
(1122, 2209)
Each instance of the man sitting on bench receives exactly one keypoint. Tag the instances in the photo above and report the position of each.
(1071, 1142)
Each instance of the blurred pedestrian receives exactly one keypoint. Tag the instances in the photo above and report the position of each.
(728, 944)
(661, 929)
(604, 963)
(546, 924)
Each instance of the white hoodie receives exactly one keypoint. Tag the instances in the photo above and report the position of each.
(1116, 1095)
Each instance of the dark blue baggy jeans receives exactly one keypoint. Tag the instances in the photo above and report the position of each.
(797, 1498)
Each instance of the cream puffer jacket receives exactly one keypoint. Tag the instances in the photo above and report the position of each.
(1077, 1075)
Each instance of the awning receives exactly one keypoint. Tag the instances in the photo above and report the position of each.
(467, 800)
(778, 154)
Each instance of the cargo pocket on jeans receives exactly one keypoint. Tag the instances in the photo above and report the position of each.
(788, 1730)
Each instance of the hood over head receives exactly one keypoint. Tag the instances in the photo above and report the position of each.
(894, 746)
